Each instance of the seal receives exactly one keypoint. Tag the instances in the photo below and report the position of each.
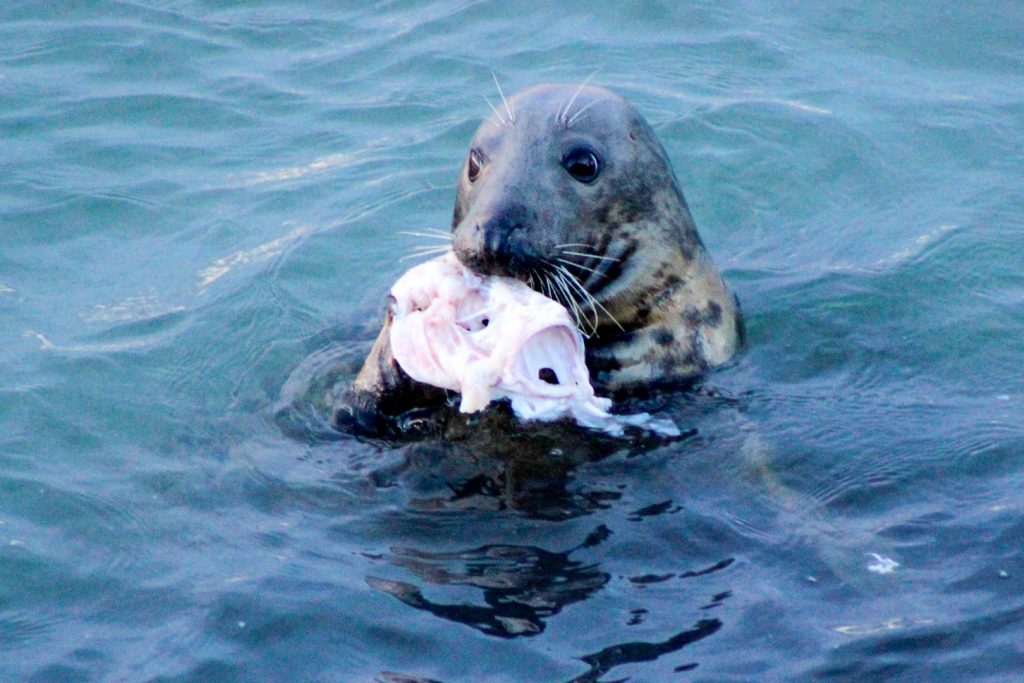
(569, 190)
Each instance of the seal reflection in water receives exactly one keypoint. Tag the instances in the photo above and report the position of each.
(568, 189)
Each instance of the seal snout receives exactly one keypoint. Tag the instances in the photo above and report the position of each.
(495, 242)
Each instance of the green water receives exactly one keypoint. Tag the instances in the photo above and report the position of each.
(199, 214)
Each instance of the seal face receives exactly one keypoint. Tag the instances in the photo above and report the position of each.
(569, 190)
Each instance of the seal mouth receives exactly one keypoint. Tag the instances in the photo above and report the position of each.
(500, 245)
(516, 268)
(537, 273)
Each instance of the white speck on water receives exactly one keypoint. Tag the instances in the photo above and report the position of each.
(140, 307)
(802, 106)
(322, 164)
(43, 341)
(15, 542)
(1003, 574)
(882, 565)
(241, 624)
(1003, 397)
(920, 242)
(893, 624)
(259, 254)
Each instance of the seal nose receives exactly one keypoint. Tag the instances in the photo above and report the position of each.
(498, 232)
(489, 244)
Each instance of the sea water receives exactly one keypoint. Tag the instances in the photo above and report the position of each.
(200, 207)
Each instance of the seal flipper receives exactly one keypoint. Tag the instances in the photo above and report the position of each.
(382, 392)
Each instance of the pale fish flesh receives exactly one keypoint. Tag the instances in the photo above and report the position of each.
(494, 337)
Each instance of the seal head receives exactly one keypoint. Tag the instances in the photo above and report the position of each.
(569, 190)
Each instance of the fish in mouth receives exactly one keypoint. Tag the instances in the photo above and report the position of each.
(494, 337)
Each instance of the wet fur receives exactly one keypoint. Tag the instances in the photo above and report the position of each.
(621, 252)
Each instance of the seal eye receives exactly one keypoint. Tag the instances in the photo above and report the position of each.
(473, 165)
(582, 164)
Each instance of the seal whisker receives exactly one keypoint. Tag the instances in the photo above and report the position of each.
(602, 258)
(511, 114)
(567, 286)
(580, 112)
(586, 296)
(565, 112)
(429, 250)
(571, 283)
(501, 118)
(549, 289)
(539, 282)
(613, 269)
(581, 266)
(569, 301)
(563, 295)
(435, 231)
(592, 298)
(559, 295)
(574, 244)
(431, 235)
(422, 254)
